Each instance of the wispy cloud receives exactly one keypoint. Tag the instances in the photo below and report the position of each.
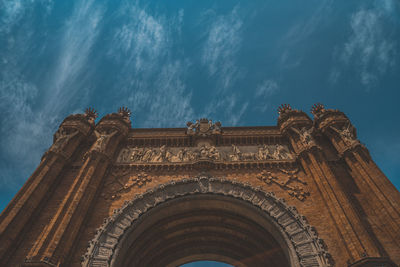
(264, 90)
(168, 103)
(221, 48)
(369, 47)
(34, 111)
(79, 35)
(141, 40)
(154, 82)
(301, 32)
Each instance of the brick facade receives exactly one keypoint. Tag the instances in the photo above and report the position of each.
(303, 193)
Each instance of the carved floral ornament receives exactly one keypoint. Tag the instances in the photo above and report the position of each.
(122, 183)
(205, 152)
(301, 237)
(292, 184)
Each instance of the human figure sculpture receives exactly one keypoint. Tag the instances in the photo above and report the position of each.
(347, 133)
(102, 140)
(305, 135)
(235, 156)
(61, 139)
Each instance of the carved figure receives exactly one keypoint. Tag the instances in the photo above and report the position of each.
(281, 152)
(147, 155)
(102, 140)
(158, 157)
(124, 155)
(136, 154)
(347, 134)
(305, 135)
(61, 139)
(192, 127)
(217, 127)
(235, 156)
(214, 153)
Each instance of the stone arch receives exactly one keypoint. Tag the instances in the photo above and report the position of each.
(303, 247)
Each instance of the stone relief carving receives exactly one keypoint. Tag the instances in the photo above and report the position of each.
(305, 135)
(205, 152)
(303, 238)
(122, 183)
(293, 184)
(347, 134)
(203, 127)
(61, 138)
(102, 140)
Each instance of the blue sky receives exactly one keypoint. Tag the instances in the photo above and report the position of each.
(174, 61)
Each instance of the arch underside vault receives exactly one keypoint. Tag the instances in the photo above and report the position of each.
(206, 219)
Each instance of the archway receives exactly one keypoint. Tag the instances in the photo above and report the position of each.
(206, 219)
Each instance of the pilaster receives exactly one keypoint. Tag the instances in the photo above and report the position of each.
(58, 237)
(299, 129)
(383, 199)
(29, 200)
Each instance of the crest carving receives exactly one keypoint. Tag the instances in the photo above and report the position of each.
(203, 127)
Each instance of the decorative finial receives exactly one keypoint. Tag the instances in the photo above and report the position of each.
(124, 111)
(317, 108)
(91, 113)
(283, 108)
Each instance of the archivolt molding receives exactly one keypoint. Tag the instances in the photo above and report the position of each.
(310, 250)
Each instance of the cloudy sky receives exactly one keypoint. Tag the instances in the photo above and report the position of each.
(174, 61)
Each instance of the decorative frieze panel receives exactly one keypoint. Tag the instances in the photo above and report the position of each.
(163, 154)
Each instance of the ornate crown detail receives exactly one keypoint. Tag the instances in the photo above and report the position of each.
(124, 111)
(317, 108)
(284, 108)
(91, 113)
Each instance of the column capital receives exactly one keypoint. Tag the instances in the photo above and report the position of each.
(337, 127)
(298, 127)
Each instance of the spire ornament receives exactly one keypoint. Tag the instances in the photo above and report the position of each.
(124, 112)
(91, 114)
(317, 109)
(284, 108)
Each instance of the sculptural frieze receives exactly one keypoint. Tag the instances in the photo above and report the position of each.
(164, 154)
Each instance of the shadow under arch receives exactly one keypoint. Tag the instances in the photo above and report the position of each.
(206, 219)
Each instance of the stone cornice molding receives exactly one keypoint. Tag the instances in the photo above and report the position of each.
(208, 165)
(303, 239)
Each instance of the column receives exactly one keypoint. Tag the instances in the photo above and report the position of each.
(299, 129)
(30, 199)
(382, 199)
(58, 237)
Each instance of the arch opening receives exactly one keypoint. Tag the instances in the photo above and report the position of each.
(202, 227)
(206, 219)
